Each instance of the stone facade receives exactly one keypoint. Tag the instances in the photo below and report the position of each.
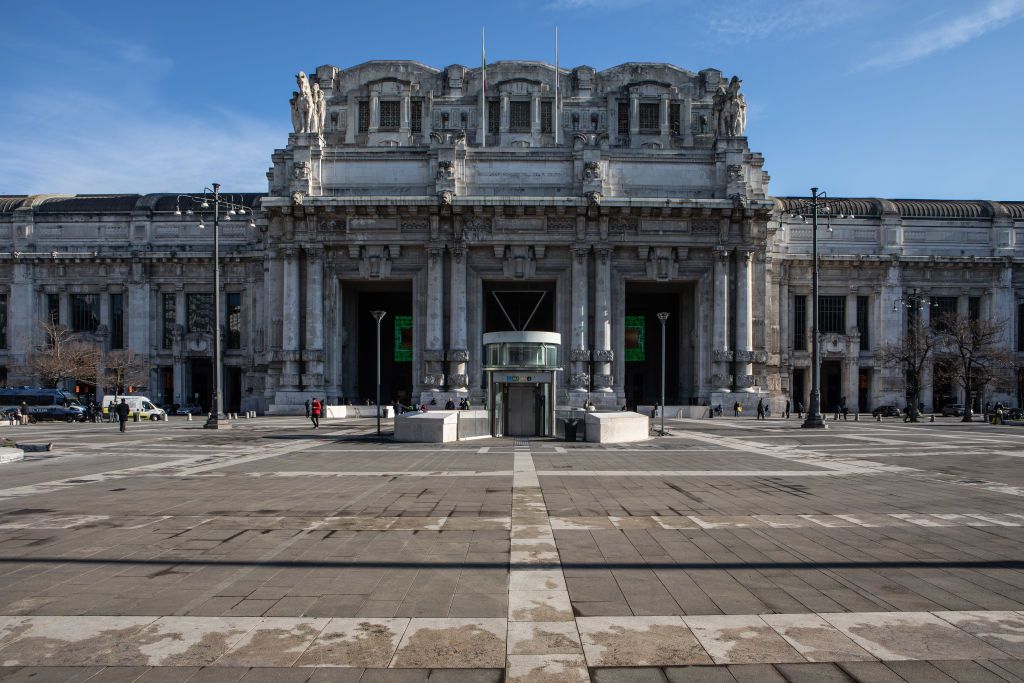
(405, 188)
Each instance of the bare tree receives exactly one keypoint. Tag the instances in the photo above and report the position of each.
(124, 368)
(973, 354)
(911, 354)
(64, 356)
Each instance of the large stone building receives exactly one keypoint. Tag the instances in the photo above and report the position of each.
(463, 203)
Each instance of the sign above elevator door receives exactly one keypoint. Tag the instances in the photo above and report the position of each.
(523, 377)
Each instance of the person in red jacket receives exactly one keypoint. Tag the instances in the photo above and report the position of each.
(314, 412)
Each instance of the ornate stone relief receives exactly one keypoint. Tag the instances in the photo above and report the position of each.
(561, 224)
(579, 355)
(374, 260)
(520, 261)
(704, 225)
(592, 172)
(604, 355)
(721, 380)
(458, 381)
(721, 355)
(580, 380)
(414, 224)
(433, 379)
(661, 263)
(623, 224)
(444, 198)
(745, 381)
(604, 381)
(446, 170)
(458, 355)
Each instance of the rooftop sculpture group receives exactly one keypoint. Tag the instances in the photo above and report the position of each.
(309, 106)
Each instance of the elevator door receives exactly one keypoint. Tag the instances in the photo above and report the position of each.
(522, 403)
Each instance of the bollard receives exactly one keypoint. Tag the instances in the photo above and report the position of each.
(932, 419)
(878, 418)
(135, 416)
(856, 417)
(190, 417)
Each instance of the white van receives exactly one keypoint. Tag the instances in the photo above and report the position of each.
(136, 404)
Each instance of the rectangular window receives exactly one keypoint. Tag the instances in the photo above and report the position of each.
(53, 308)
(199, 310)
(622, 117)
(364, 116)
(169, 314)
(85, 312)
(390, 114)
(519, 116)
(943, 309)
(416, 116)
(974, 308)
(649, 112)
(1020, 327)
(3, 322)
(800, 322)
(117, 321)
(674, 118)
(546, 107)
(863, 325)
(493, 117)
(234, 319)
(832, 314)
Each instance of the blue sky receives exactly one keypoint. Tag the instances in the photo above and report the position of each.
(912, 98)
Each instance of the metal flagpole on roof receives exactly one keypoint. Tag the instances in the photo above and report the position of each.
(483, 91)
(557, 115)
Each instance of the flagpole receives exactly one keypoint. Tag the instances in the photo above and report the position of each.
(557, 108)
(483, 90)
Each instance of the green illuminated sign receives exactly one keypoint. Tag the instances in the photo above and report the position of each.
(636, 338)
(403, 338)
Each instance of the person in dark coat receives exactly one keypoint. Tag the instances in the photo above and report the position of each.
(787, 408)
(122, 414)
(760, 409)
(307, 409)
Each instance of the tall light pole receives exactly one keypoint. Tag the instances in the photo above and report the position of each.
(663, 316)
(814, 419)
(233, 209)
(378, 316)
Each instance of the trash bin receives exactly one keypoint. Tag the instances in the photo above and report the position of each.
(571, 426)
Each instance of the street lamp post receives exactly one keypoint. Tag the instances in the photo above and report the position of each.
(916, 303)
(662, 316)
(378, 316)
(814, 419)
(232, 209)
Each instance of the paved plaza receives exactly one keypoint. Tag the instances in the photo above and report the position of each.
(733, 550)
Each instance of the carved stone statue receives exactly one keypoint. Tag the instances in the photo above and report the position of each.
(593, 199)
(296, 116)
(445, 170)
(732, 109)
(319, 109)
(304, 108)
(445, 198)
(591, 172)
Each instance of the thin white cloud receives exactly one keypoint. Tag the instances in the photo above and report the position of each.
(76, 142)
(992, 15)
(750, 19)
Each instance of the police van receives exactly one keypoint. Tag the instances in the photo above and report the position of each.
(43, 404)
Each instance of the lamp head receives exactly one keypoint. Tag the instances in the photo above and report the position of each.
(378, 315)
(663, 316)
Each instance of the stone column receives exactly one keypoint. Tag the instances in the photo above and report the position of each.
(434, 351)
(334, 336)
(458, 350)
(579, 354)
(22, 306)
(927, 371)
(664, 126)
(405, 114)
(503, 122)
(183, 394)
(603, 356)
(720, 321)
(851, 364)
(785, 347)
(313, 353)
(634, 115)
(744, 321)
(374, 112)
(535, 114)
(290, 321)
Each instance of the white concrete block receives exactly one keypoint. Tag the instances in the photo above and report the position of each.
(617, 427)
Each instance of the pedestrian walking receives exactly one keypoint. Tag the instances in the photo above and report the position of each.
(787, 408)
(800, 410)
(122, 414)
(464, 403)
(307, 409)
(760, 409)
(736, 409)
(314, 412)
(845, 409)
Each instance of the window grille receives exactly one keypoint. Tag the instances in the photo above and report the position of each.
(85, 312)
(674, 118)
(364, 116)
(390, 114)
(622, 124)
(3, 321)
(832, 314)
(519, 117)
(199, 311)
(800, 322)
(416, 114)
(863, 321)
(234, 311)
(169, 314)
(493, 116)
(545, 116)
(117, 321)
(649, 117)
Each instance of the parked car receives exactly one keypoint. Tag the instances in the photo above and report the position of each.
(886, 411)
(953, 410)
(189, 410)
